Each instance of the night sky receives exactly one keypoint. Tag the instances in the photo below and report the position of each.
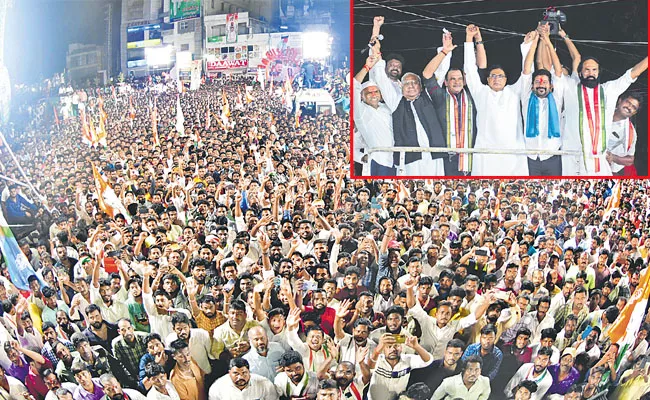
(416, 37)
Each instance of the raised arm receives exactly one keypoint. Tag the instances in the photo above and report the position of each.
(432, 66)
(547, 45)
(471, 69)
(573, 51)
(640, 68)
(532, 37)
(481, 55)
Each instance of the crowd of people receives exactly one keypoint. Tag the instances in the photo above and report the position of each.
(553, 120)
(240, 261)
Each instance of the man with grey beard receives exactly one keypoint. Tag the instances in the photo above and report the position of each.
(263, 356)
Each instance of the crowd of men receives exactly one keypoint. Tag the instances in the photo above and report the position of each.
(562, 109)
(243, 263)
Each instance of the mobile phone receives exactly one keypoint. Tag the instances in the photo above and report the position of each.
(309, 285)
(229, 285)
(277, 281)
(400, 338)
(587, 332)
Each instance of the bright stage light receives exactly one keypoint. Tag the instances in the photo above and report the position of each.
(157, 56)
(315, 45)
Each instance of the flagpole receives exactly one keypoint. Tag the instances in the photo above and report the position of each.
(22, 172)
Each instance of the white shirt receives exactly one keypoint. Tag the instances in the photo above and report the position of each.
(199, 344)
(498, 122)
(16, 389)
(612, 90)
(258, 388)
(161, 324)
(308, 384)
(454, 388)
(542, 141)
(375, 126)
(65, 385)
(312, 360)
(624, 144)
(113, 312)
(434, 339)
(348, 349)
(525, 372)
(265, 366)
(387, 382)
(156, 395)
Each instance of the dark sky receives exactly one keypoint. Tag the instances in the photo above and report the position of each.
(38, 33)
(416, 37)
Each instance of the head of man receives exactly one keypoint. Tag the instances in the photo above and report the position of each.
(543, 359)
(319, 299)
(589, 72)
(81, 372)
(453, 353)
(472, 370)
(522, 340)
(50, 379)
(524, 390)
(542, 83)
(370, 94)
(444, 313)
(181, 326)
(455, 80)
(548, 337)
(292, 365)
(394, 319)
(63, 353)
(112, 387)
(345, 373)
(314, 337)
(328, 389)
(361, 330)
(411, 86)
(237, 314)
(628, 104)
(394, 66)
(488, 337)
(497, 78)
(259, 340)
(156, 374)
(181, 353)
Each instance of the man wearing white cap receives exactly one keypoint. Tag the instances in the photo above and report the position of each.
(373, 120)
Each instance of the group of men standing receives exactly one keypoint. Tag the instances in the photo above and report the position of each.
(547, 110)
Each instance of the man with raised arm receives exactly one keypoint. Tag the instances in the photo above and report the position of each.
(394, 62)
(373, 119)
(415, 121)
(455, 108)
(498, 120)
(590, 108)
(541, 108)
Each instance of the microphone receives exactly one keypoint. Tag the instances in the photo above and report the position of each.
(380, 37)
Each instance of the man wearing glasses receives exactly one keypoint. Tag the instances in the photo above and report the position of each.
(498, 108)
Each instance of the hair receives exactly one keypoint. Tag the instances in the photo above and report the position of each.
(79, 366)
(153, 369)
(178, 345)
(543, 72)
(457, 344)
(78, 338)
(150, 337)
(180, 318)
(611, 313)
(238, 362)
(289, 358)
(395, 56)
(418, 391)
(529, 385)
(632, 95)
(549, 333)
(587, 58)
(473, 359)
(545, 351)
(92, 308)
(489, 328)
(238, 305)
(524, 331)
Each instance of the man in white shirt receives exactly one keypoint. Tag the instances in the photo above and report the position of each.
(114, 391)
(158, 306)
(241, 384)
(498, 110)
(621, 142)
(295, 380)
(537, 372)
(162, 388)
(198, 340)
(541, 107)
(264, 356)
(469, 384)
(10, 387)
(589, 110)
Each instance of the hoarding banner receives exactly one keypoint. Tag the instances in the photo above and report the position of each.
(226, 64)
(216, 39)
(184, 9)
(232, 21)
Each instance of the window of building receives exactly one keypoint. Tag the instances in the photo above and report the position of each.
(185, 47)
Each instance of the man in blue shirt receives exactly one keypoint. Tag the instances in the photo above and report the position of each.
(486, 349)
(18, 209)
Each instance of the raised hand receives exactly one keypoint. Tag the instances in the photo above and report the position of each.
(293, 319)
(447, 42)
(344, 309)
(411, 341)
(470, 32)
(378, 21)
(531, 36)
(410, 283)
(191, 288)
(361, 354)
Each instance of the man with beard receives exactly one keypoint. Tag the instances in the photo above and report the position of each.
(129, 347)
(469, 384)
(198, 274)
(394, 62)
(564, 375)
(306, 234)
(161, 388)
(319, 306)
(567, 336)
(351, 288)
(561, 298)
(365, 261)
(64, 366)
(590, 345)
(99, 360)
(51, 338)
(240, 383)
(515, 354)
(536, 321)
(294, 380)
(622, 142)
(159, 304)
(584, 96)
(489, 353)
(114, 391)
(204, 311)
(509, 281)
(472, 298)
(187, 377)
(384, 297)
(392, 368)
(112, 304)
(264, 356)
(99, 331)
(363, 309)
(197, 339)
(537, 372)
(65, 329)
(347, 242)
(351, 345)
(453, 258)
(442, 368)
(239, 250)
(443, 286)
(576, 307)
(395, 323)
(350, 384)
(543, 106)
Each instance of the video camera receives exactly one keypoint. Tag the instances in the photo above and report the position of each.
(553, 17)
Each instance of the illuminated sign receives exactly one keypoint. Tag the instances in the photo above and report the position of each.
(227, 64)
(144, 43)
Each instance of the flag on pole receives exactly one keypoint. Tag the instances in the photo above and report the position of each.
(297, 123)
(113, 93)
(226, 106)
(101, 131)
(93, 131)
(623, 330)
(180, 119)
(56, 116)
(17, 264)
(614, 199)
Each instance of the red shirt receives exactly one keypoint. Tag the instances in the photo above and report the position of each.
(326, 319)
(35, 383)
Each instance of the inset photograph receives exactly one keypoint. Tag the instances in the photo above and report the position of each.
(488, 89)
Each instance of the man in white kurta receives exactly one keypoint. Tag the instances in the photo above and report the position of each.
(621, 143)
(498, 118)
(592, 103)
